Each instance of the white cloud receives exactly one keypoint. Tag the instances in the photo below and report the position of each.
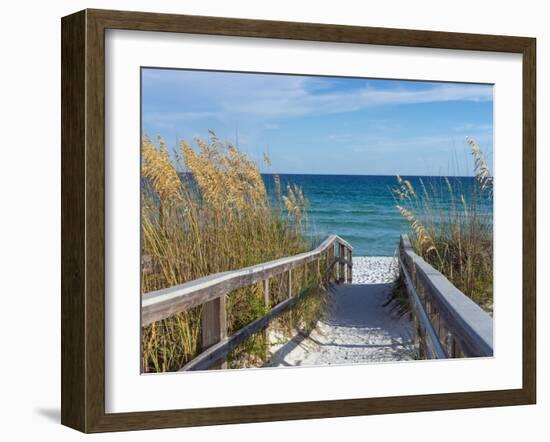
(299, 100)
(276, 96)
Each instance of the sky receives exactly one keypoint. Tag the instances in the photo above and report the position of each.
(324, 125)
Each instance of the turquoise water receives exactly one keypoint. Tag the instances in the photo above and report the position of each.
(361, 209)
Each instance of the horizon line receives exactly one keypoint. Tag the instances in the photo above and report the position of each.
(368, 174)
(358, 174)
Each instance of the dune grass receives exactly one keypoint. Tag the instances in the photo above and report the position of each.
(205, 210)
(451, 227)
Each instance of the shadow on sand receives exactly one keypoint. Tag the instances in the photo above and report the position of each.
(357, 328)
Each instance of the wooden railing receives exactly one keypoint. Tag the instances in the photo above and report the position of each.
(449, 324)
(211, 292)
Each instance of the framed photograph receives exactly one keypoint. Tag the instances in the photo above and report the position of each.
(270, 220)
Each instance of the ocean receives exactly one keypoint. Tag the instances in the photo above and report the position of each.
(361, 209)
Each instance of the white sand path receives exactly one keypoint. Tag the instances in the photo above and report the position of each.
(357, 328)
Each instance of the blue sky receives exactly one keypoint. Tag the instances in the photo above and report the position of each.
(325, 125)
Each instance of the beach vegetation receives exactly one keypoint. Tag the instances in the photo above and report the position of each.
(451, 226)
(205, 210)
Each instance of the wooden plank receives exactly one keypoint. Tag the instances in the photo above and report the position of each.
(267, 303)
(289, 283)
(435, 350)
(328, 264)
(465, 319)
(342, 267)
(529, 229)
(467, 322)
(318, 267)
(163, 303)
(350, 266)
(266, 293)
(405, 243)
(214, 326)
(74, 395)
(346, 244)
(220, 350)
(289, 295)
(344, 261)
(336, 261)
(193, 24)
(332, 264)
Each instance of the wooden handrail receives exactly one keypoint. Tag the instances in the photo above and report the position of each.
(222, 348)
(433, 346)
(163, 303)
(462, 326)
(212, 291)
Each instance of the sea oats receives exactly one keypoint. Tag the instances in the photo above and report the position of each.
(451, 228)
(482, 172)
(159, 170)
(219, 219)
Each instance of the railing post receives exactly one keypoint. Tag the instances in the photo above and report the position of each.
(318, 261)
(336, 264)
(413, 275)
(289, 283)
(214, 326)
(449, 344)
(342, 266)
(267, 305)
(328, 271)
(266, 293)
(350, 266)
(333, 266)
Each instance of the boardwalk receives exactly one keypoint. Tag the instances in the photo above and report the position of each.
(358, 328)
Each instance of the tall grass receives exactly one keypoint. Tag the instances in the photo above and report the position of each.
(205, 210)
(451, 227)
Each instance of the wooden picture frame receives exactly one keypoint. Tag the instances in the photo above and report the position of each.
(83, 219)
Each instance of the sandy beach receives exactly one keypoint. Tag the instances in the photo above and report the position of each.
(357, 328)
(374, 269)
